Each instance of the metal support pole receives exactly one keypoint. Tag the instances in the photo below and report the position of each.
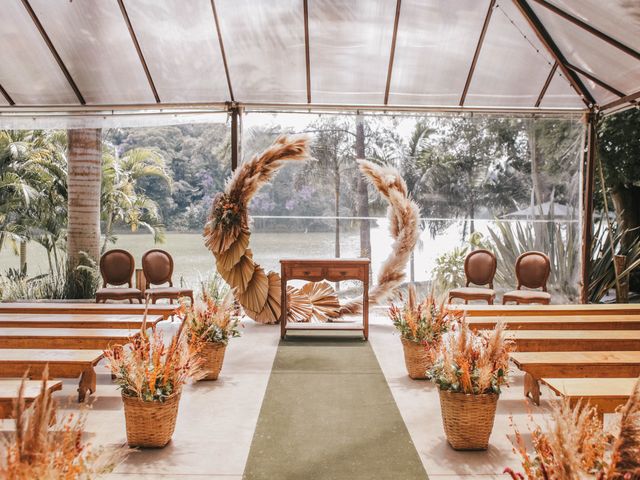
(587, 203)
(235, 135)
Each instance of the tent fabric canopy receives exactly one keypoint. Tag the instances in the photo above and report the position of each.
(466, 54)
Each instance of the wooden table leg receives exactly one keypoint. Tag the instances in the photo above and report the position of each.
(532, 388)
(87, 383)
(283, 305)
(365, 306)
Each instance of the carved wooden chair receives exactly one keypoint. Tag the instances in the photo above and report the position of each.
(532, 273)
(479, 269)
(116, 268)
(157, 266)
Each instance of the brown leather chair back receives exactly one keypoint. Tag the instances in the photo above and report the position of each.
(480, 267)
(158, 267)
(532, 270)
(116, 267)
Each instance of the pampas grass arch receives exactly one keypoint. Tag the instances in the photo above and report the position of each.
(227, 235)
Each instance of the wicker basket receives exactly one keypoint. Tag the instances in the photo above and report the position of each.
(150, 424)
(468, 419)
(416, 358)
(213, 355)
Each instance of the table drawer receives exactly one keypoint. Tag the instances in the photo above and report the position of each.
(295, 272)
(337, 273)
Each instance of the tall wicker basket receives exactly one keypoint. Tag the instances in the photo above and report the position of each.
(468, 419)
(213, 355)
(150, 424)
(416, 358)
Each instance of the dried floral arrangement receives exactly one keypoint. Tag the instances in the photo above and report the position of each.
(152, 371)
(210, 319)
(422, 321)
(576, 446)
(42, 451)
(473, 363)
(227, 235)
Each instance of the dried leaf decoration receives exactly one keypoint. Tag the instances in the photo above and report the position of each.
(323, 299)
(227, 235)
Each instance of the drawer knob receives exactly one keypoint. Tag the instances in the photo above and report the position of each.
(306, 272)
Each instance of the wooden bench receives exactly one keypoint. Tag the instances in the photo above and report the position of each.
(32, 388)
(559, 322)
(68, 338)
(62, 364)
(573, 365)
(70, 320)
(605, 394)
(574, 340)
(88, 308)
(547, 310)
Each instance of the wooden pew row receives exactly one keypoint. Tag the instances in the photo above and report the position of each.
(605, 394)
(64, 320)
(574, 340)
(547, 310)
(67, 338)
(537, 365)
(165, 310)
(559, 322)
(32, 388)
(62, 364)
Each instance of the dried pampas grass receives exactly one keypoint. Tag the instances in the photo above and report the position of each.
(403, 214)
(42, 451)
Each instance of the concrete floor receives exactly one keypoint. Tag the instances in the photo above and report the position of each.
(216, 420)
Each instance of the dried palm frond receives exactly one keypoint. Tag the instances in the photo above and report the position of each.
(403, 214)
(626, 451)
(324, 300)
(42, 451)
(299, 305)
(227, 231)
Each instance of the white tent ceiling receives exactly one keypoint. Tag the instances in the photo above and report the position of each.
(488, 55)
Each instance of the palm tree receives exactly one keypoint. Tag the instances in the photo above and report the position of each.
(123, 199)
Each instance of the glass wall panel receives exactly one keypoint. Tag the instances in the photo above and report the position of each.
(92, 38)
(434, 49)
(560, 94)
(350, 42)
(591, 54)
(180, 44)
(29, 72)
(264, 44)
(512, 66)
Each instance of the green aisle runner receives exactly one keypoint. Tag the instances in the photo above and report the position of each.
(329, 414)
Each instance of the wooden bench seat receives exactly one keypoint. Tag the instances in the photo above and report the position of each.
(573, 365)
(574, 340)
(62, 364)
(546, 310)
(70, 320)
(68, 338)
(32, 388)
(605, 394)
(88, 308)
(559, 322)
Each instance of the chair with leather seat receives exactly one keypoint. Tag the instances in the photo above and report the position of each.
(157, 266)
(532, 273)
(479, 269)
(116, 268)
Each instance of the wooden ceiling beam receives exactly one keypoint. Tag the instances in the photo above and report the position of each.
(222, 51)
(392, 52)
(546, 84)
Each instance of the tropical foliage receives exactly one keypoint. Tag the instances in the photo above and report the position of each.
(44, 452)
(575, 445)
(151, 370)
(422, 321)
(472, 363)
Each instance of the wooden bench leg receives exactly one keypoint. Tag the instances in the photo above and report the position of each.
(532, 388)
(87, 383)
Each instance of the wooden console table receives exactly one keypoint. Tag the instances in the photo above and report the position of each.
(334, 270)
